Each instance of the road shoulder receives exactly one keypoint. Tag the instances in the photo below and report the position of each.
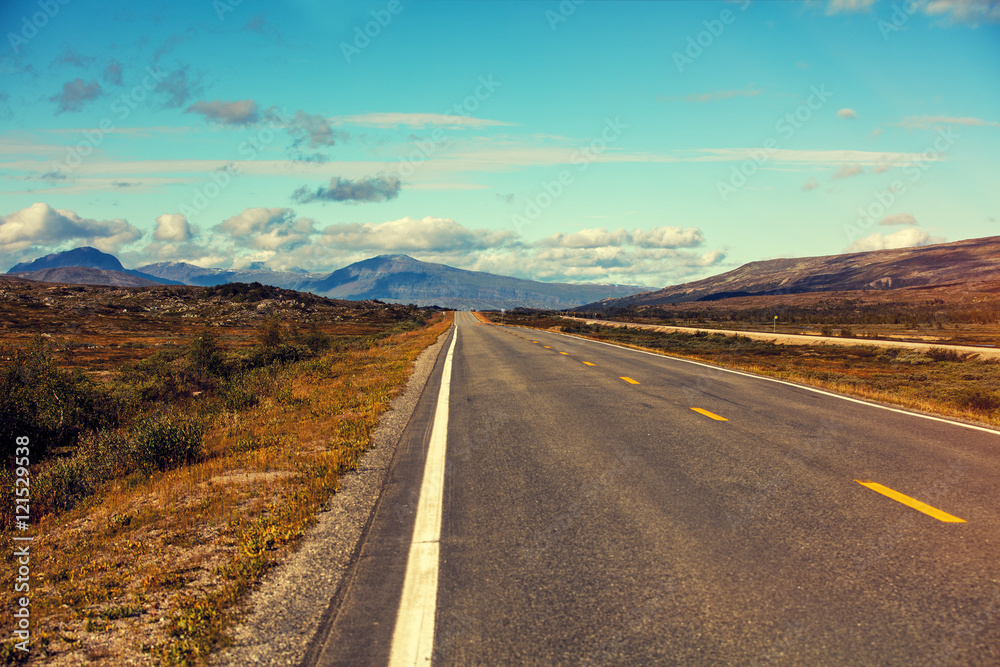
(282, 615)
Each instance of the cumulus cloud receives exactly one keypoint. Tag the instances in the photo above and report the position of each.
(75, 93)
(240, 112)
(268, 229)
(178, 87)
(847, 113)
(41, 225)
(898, 219)
(657, 237)
(312, 129)
(847, 171)
(172, 227)
(811, 184)
(368, 189)
(848, 6)
(113, 73)
(925, 122)
(973, 12)
(410, 234)
(904, 238)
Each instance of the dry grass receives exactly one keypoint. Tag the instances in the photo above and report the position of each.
(147, 570)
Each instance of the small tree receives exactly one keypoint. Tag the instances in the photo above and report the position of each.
(204, 354)
(269, 334)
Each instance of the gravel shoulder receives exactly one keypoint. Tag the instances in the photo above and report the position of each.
(282, 615)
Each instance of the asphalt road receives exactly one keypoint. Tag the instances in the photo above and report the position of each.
(592, 516)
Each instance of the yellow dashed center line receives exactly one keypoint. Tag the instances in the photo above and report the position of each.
(547, 347)
(629, 380)
(534, 341)
(589, 364)
(910, 502)
(566, 353)
(710, 415)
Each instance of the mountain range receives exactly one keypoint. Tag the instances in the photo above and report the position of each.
(970, 261)
(391, 278)
(402, 279)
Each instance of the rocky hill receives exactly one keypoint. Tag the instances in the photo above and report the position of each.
(84, 275)
(84, 257)
(970, 261)
(402, 279)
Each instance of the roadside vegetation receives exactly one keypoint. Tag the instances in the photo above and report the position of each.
(162, 492)
(940, 381)
(971, 318)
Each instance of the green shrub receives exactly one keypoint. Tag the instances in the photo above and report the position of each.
(166, 442)
(235, 394)
(39, 401)
(978, 399)
(204, 354)
(945, 354)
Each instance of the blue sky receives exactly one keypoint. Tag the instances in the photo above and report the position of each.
(627, 142)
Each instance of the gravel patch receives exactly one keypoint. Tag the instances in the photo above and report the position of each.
(283, 613)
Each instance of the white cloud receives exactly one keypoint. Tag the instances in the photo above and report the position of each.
(848, 6)
(847, 171)
(925, 122)
(904, 238)
(657, 237)
(172, 227)
(240, 112)
(41, 225)
(811, 184)
(386, 120)
(410, 234)
(667, 237)
(267, 229)
(973, 12)
(847, 113)
(898, 219)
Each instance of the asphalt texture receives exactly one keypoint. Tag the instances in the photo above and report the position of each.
(591, 519)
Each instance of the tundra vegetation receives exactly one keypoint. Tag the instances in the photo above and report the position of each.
(182, 441)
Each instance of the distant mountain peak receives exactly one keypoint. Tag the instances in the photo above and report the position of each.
(82, 256)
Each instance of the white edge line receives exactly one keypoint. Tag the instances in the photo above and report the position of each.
(785, 382)
(413, 636)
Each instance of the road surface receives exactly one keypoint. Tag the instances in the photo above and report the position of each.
(604, 506)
